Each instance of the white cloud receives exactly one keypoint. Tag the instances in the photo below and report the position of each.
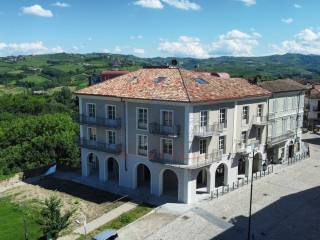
(184, 47)
(235, 43)
(232, 43)
(149, 4)
(61, 4)
(36, 10)
(306, 41)
(117, 49)
(182, 4)
(105, 50)
(138, 50)
(297, 5)
(287, 20)
(36, 47)
(249, 3)
(158, 4)
(136, 37)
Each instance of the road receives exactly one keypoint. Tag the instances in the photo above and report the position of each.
(286, 205)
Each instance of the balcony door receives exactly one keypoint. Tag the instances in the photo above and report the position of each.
(166, 148)
(166, 121)
(259, 113)
(204, 121)
(92, 136)
(91, 111)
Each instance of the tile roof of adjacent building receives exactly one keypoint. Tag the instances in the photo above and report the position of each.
(282, 85)
(174, 84)
(315, 91)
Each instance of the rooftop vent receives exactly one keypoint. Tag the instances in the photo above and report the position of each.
(200, 81)
(159, 79)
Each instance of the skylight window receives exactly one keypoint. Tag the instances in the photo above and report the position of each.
(159, 79)
(200, 81)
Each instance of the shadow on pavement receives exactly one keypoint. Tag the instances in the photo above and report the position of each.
(294, 217)
(315, 141)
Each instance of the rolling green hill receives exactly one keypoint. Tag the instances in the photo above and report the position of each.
(42, 72)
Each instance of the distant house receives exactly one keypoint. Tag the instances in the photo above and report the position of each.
(105, 75)
(313, 106)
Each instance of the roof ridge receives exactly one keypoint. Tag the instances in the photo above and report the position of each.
(184, 85)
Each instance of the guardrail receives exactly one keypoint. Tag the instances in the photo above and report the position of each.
(209, 130)
(191, 162)
(104, 147)
(98, 121)
(169, 131)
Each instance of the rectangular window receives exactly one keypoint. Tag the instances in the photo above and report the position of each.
(275, 105)
(285, 104)
(203, 118)
(92, 134)
(260, 110)
(222, 144)
(223, 116)
(111, 137)
(142, 118)
(166, 146)
(167, 118)
(91, 108)
(142, 145)
(245, 114)
(203, 146)
(244, 137)
(111, 112)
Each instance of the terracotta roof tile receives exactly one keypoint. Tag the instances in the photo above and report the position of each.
(178, 85)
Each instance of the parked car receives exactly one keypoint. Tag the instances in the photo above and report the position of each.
(108, 234)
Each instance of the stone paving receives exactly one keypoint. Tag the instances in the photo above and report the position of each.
(285, 206)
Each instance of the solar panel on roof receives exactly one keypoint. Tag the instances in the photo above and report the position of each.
(159, 79)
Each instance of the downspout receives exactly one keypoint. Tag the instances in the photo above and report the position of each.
(125, 134)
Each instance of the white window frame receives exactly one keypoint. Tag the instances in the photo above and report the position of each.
(203, 140)
(95, 110)
(247, 114)
(107, 136)
(225, 116)
(137, 145)
(224, 144)
(260, 110)
(161, 116)
(137, 119)
(161, 146)
(107, 112)
(206, 117)
(89, 135)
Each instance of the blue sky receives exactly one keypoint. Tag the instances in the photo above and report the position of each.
(149, 28)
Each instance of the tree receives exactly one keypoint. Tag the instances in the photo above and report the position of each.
(51, 219)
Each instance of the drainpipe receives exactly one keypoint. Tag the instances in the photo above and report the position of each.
(125, 133)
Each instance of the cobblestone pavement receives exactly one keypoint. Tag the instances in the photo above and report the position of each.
(285, 206)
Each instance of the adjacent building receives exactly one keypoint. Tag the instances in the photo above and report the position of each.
(170, 131)
(313, 107)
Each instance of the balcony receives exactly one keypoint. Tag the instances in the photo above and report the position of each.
(259, 120)
(104, 147)
(281, 138)
(104, 122)
(168, 131)
(242, 147)
(200, 160)
(207, 131)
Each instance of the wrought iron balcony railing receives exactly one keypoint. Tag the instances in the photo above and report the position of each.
(97, 121)
(197, 161)
(163, 130)
(104, 147)
(259, 120)
(207, 131)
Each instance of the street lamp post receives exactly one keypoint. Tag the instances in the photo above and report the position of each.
(264, 168)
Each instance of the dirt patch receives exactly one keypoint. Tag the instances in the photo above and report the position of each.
(90, 201)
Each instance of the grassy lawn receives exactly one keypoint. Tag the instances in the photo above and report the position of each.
(12, 224)
(36, 79)
(122, 220)
(5, 177)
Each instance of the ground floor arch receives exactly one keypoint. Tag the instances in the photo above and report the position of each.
(202, 185)
(143, 176)
(113, 170)
(170, 183)
(221, 175)
(257, 163)
(93, 164)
